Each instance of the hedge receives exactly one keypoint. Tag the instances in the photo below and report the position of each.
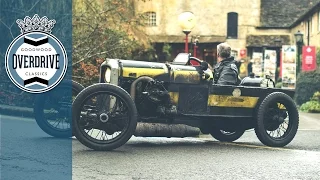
(312, 106)
(307, 84)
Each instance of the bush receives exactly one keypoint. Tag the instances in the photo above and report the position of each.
(278, 85)
(307, 84)
(312, 106)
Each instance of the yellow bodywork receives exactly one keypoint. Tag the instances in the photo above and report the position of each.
(231, 101)
(223, 100)
(134, 72)
(186, 76)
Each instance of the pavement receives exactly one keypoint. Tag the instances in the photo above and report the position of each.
(16, 111)
(310, 121)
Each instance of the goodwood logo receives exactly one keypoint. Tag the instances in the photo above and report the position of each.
(36, 61)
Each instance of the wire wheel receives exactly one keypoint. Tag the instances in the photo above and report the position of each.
(277, 120)
(104, 117)
(53, 109)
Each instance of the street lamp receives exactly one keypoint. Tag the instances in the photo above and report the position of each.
(299, 41)
(195, 40)
(277, 43)
(187, 23)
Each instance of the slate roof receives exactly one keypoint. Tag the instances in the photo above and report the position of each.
(283, 13)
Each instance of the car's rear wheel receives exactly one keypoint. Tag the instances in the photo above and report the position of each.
(226, 136)
(277, 120)
(104, 117)
(52, 109)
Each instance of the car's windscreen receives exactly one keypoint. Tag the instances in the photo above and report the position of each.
(182, 58)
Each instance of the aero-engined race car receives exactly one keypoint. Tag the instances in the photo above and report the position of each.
(137, 93)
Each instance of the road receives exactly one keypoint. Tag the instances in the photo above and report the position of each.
(175, 158)
(27, 153)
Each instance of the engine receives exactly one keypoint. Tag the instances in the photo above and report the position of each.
(153, 99)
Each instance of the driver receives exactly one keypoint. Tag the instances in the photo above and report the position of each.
(225, 71)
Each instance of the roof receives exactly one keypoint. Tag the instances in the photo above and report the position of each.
(306, 14)
(283, 13)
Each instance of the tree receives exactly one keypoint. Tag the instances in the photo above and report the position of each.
(104, 29)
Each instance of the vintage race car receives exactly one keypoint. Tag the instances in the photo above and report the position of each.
(135, 93)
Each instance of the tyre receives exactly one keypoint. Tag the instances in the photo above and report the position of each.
(104, 127)
(277, 120)
(225, 136)
(52, 110)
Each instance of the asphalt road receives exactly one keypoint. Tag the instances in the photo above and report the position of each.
(160, 158)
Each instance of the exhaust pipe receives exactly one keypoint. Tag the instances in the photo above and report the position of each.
(134, 84)
(165, 130)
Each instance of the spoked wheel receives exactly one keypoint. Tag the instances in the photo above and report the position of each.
(104, 117)
(52, 109)
(277, 120)
(226, 136)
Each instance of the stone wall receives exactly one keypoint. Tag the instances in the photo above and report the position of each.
(314, 30)
(211, 17)
(212, 21)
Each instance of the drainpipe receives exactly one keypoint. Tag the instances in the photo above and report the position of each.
(308, 37)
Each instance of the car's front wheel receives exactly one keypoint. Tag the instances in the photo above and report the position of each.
(104, 117)
(226, 136)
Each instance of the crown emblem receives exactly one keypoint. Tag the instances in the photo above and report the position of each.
(35, 24)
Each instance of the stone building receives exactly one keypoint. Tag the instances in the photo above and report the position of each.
(247, 25)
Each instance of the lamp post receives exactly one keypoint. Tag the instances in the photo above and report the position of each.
(195, 41)
(277, 43)
(299, 41)
(187, 23)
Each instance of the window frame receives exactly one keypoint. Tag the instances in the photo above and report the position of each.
(151, 18)
(232, 16)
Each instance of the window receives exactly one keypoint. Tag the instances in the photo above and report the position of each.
(232, 25)
(151, 19)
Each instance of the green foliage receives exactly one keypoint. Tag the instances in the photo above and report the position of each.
(105, 29)
(316, 96)
(278, 85)
(312, 106)
(142, 54)
(167, 50)
(307, 84)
